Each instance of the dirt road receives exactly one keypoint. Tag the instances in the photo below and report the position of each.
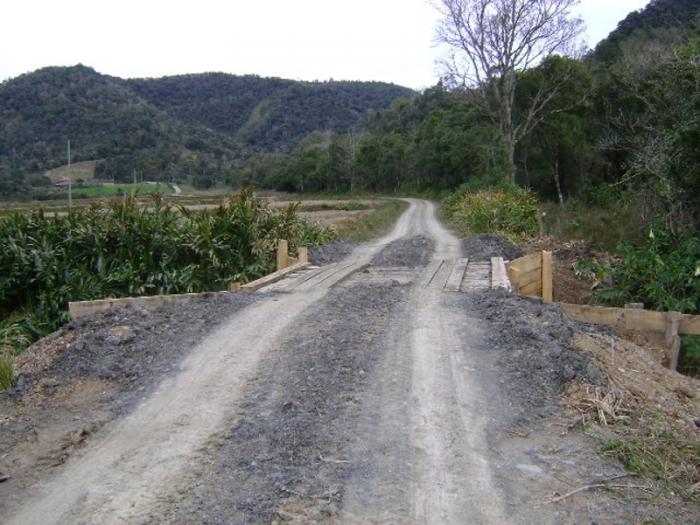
(367, 396)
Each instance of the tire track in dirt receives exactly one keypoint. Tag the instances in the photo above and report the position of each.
(287, 455)
(142, 459)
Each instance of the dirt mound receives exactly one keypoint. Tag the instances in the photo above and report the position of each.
(412, 252)
(123, 345)
(535, 348)
(483, 247)
(331, 252)
(97, 368)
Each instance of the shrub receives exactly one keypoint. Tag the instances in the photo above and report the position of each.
(505, 210)
(125, 249)
(663, 273)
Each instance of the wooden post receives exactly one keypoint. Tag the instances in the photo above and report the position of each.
(303, 254)
(673, 340)
(282, 254)
(547, 290)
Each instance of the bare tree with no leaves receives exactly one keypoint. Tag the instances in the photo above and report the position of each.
(490, 41)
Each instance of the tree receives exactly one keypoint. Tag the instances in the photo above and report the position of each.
(491, 41)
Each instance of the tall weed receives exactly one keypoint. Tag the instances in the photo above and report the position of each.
(505, 210)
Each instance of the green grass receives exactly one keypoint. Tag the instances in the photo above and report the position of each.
(375, 224)
(650, 448)
(504, 210)
(13, 337)
(340, 206)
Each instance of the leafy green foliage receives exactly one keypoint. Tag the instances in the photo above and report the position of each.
(676, 15)
(663, 273)
(267, 113)
(435, 140)
(505, 210)
(125, 249)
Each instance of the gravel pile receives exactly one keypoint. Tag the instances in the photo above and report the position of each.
(129, 347)
(412, 252)
(533, 342)
(483, 247)
(331, 252)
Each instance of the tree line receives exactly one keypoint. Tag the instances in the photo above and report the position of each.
(610, 126)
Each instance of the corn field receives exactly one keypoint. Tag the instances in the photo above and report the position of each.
(127, 249)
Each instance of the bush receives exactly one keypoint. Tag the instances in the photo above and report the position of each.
(504, 210)
(126, 249)
(663, 273)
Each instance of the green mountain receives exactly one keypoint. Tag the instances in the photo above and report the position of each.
(266, 113)
(680, 18)
(177, 127)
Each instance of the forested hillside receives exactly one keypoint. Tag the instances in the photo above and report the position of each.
(670, 18)
(266, 113)
(624, 129)
(193, 127)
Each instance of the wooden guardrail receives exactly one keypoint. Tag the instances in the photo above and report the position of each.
(671, 324)
(532, 275)
(285, 265)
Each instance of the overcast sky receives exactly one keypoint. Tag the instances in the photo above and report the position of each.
(388, 40)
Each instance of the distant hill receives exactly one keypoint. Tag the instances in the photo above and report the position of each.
(678, 15)
(101, 116)
(268, 113)
(177, 126)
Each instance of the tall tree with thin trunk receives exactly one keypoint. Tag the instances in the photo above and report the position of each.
(491, 41)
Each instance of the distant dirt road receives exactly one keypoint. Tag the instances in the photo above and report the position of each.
(364, 395)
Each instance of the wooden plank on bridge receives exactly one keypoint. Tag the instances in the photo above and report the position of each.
(499, 276)
(273, 277)
(454, 281)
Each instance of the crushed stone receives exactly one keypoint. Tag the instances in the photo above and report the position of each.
(483, 247)
(128, 346)
(331, 252)
(536, 353)
(412, 252)
(283, 456)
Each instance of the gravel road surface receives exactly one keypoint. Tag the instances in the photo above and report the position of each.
(370, 398)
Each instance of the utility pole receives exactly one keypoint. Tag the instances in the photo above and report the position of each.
(70, 181)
